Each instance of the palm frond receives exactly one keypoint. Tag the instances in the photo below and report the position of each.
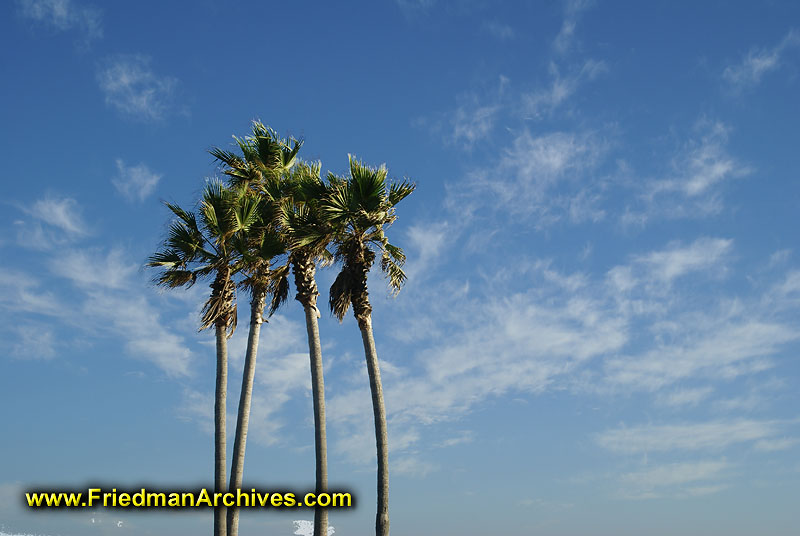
(336, 205)
(220, 306)
(165, 258)
(217, 211)
(228, 158)
(176, 278)
(340, 294)
(368, 184)
(399, 191)
(396, 253)
(187, 217)
(181, 238)
(271, 245)
(325, 258)
(278, 288)
(246, 211)
(394, 273)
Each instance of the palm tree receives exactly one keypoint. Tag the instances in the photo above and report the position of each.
(265, 160)
(358, 207)
(201, 249)
(257, 252)
(308, 236)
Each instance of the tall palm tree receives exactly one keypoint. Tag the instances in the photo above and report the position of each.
(197, 249)
(358, 207)
(257, 250)
(260, 170)
(308, 236)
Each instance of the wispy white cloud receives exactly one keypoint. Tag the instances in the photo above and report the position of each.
(131, 86)
(758, 62)
(673, 478)
(499, 30)
(537, 162)
(704, 164)
(63, 213)
(109, 301)
(135, 183)
(718, 345)
(693, 189)
(288, 376)
(138, 324)
(64, 15)
(544, 101)
(56, 221)
(466, 436)
(710, 436)
(538, 177)
(727, 339)
(784, 293)
(686, 397)
(22, 293)
(33, 341)
(664, 266)
(412, 466)
(740, 403)
(682, 478)
(779, 257)
(565, 39)
(474, 119)
(773, 445)
(427, 242)
(198, 408)
(414, 7)
(90, 268)
(473, 123)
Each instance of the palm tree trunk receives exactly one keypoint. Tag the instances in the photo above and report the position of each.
(320, 437)
(245, 400)
(219, 424)
(379, 413)
(304, 269)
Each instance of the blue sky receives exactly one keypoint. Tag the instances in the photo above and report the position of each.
(598, 335)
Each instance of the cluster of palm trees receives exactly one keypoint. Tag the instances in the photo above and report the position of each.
(273, 216)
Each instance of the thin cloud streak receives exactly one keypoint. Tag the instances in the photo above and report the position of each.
(63, 15)
(537, 177)
(700, 171)
(134, 89)
(758, 62)
(135, 183)
(675, 480)
(565, 39)
(57, 221)
(544, 101)
(63, 213)
(713, 435)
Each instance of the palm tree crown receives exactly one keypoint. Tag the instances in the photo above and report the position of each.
(264, 161)
(358, 208)
(195, 249)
